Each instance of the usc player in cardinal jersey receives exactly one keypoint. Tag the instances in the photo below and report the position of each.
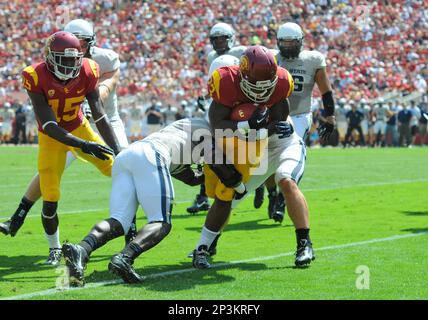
(57, 87)
(256, 80)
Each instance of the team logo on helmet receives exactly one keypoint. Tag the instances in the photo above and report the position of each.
(244, 64)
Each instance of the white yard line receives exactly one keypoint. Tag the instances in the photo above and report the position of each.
(373, 184)
(217, 265)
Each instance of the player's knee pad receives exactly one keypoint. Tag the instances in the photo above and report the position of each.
(110, 226)
(152, 233)
(49, 209)
(161, 227)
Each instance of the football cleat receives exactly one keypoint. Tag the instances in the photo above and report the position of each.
(54, 257)
(200, 204)
(212, 250)
(12, 225)
(121, 265)
(272, 204)
(5, 227)
(200, 258)
(304, 254)
(75, 259)
(259, 197)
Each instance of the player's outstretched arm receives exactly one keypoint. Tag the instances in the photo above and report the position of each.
(278, 120)
(50, 126)
(101, 120)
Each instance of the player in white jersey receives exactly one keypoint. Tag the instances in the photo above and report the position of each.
(109, 63)
(307, 69)
(142, 175)
(380, 113)
(222, 38)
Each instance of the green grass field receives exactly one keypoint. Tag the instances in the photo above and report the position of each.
(368, 207)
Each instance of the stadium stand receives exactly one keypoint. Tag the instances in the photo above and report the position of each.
(378, 49)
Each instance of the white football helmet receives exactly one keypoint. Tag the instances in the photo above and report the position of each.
(222, 30)
(290, 40)
(83, 30)
(223, 61)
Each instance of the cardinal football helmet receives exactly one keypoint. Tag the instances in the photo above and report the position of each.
(63, 55)
(258, 68)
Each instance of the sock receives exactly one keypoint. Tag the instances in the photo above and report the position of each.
(89, 243)
(302, 234)
(23, 208)
(132, 250)
(207, 237)
(202, 191)
(281, 198)
(53, 239)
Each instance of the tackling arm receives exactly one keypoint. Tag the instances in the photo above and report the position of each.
(189, 176)
(278, 115)
(46, 117)
(101, 120)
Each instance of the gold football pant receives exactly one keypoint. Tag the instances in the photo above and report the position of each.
(52, 156)
(245, 155)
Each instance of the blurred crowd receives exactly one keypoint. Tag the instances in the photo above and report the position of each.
(373, 48)
(392, 123)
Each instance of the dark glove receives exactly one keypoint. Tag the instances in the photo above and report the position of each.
(96, 150)
(189, 176)
(283, 129)
(201, 103)
(259, 119)
(325, 130)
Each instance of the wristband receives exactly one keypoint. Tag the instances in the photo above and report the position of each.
(243, 125)
(328, 103)
(105, 115)
(262, 134)
(240, 188)
(48, 122)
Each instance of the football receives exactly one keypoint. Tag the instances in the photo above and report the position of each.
(242, 112)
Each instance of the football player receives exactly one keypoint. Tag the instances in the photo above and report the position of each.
(108, 62)
(57, 87)
(142, 175)
(222, 39)
(307, 68)
(258, 80)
